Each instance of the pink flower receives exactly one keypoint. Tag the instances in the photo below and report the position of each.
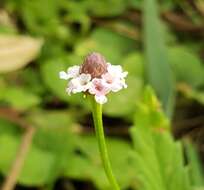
(96, 77)
(99, 89)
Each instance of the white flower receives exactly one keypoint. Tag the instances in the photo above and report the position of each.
(79, 84)
(72, 72)
(98, 89)
(116, 71)
(114, 78)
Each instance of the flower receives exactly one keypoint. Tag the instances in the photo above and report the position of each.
(116, 70)
(99, 89)
(114, 78)
(96, 77)
(79, 84)
(72, 72)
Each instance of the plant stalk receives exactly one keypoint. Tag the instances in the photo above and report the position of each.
(98, 124)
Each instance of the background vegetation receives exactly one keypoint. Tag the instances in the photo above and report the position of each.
(154, 127)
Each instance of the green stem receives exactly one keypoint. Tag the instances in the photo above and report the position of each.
(98, 124)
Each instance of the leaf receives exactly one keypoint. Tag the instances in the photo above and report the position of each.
(32, 81)
(157, 65)
(19, 98)
(7, 127)
(134, 64)
(122, 104)
(158, 158)
(195, 166)
(149, 113)
(37, 19)
(87, 162)
(50, 69)
(50, 151)
(187, 66)
(54, 131)
(38, 164)
(102, 7)
(98, 41)
(136, 4)
(77, 13)
(17, 51)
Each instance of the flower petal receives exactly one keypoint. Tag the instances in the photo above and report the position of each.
(73, 72)
(98, 87)
(63, 75)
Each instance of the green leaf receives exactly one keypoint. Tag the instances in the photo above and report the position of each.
(149, 113)
(54, 130)
(38, 164)
(134, 64)
(20, 98)
(7, 127)
(38, 19)
(195, 166)
(76, 12)
(136, 3)
(122, 104)
(32, 81)
(87, 162)
(98, 41)
(187, 66)
(50, 73)
(158, 158)
(102, 7)
(157, 65)
(50, 151)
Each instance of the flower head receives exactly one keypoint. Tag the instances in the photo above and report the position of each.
(96, 77)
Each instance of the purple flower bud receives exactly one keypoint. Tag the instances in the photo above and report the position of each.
(94, 64)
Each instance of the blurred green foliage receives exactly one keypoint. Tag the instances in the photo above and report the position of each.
(153, 54)
(158, 68)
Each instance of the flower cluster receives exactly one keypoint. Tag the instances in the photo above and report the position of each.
(95, 76)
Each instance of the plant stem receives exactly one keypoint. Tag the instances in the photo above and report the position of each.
(98, 124)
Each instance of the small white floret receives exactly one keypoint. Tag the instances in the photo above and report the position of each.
(79, 84)
(73, 72)
(101, 99)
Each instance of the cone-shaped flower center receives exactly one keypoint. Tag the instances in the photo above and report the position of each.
(95, 65)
